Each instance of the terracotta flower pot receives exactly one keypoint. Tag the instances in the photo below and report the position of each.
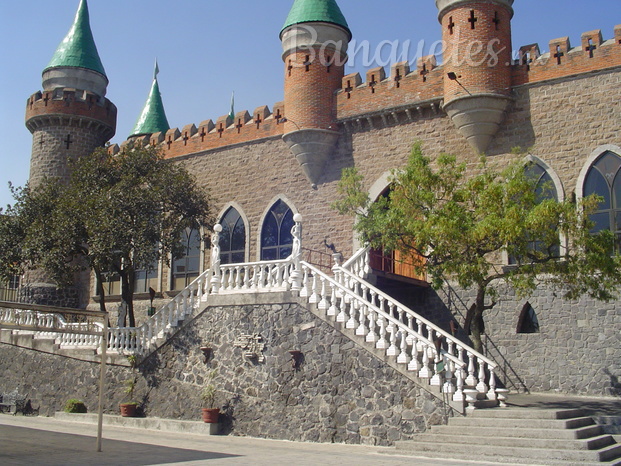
(128, 409)
(211, 415)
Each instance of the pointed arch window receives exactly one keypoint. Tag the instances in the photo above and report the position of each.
(528, 322)
(544, 189)
(187, 267)
(276, 238)
(232, 238)
(604, 180)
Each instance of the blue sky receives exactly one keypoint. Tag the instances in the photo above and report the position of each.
(206, 49)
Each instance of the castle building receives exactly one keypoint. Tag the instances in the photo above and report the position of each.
(264, 167)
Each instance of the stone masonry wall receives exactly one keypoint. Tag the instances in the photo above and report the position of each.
(340, 393)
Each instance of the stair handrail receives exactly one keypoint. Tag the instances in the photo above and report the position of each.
(392, 301)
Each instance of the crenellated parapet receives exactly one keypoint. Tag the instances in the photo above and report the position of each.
(245, 127)
(81, 107)
(593, 54)
(380, 92)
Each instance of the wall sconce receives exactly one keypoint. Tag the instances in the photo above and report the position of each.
(453, 77)
(296, 359)
(207, 353)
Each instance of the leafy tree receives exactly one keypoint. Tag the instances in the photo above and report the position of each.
(117, 214)
(460, 223)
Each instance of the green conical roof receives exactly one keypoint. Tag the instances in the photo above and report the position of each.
(78, 48)
(310, 11)
(153, 117)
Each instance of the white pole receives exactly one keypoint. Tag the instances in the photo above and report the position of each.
(102, 377)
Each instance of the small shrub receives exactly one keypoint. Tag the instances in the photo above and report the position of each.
(75, 406)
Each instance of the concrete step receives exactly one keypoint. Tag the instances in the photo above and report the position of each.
(593, 443)
(579, 433)
(527, 413)
(509, 453)
(573, 423)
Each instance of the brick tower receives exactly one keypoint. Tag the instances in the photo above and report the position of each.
(314, 39)
(477, 60)
(69, 118)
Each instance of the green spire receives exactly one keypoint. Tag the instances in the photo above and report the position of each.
(153, 117)
(310, 11)
(78, 48)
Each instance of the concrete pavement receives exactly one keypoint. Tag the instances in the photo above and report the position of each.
(46, 441)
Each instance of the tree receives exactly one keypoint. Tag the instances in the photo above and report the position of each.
(461, 222)
(117, 214)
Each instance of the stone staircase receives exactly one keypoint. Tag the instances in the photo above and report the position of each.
(518, 436)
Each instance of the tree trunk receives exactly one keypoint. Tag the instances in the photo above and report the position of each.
(127, 293)
(477, 327)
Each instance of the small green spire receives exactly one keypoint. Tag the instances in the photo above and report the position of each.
(78, 48)
(310, 11)
(153, 117)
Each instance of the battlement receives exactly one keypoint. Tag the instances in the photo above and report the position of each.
(593, 54)
(71, 102)
(226, 131)
(379, 92)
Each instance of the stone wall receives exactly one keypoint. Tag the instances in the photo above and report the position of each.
(576, 350)
(340, 392)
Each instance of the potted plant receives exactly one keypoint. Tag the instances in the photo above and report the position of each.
(208, 395)
(128, 409)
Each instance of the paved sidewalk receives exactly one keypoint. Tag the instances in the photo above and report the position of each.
(47, 441)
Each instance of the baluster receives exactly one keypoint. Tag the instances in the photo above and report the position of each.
(373, 298)
(392, 349)
(414, 363)
(261, 277)
(351, 323)
(410, 337)
(403, 357)
(481, 387)
(332, 309)
(342, 316)
(246, 277)
(304, 290)
(362, 329)
(323, 303)
(424, 371)
(471, 380)
(436, 380)
(448, 386)
(491, 394)
(459, 392)
(313, 298)
(382, 343)
(372, 335)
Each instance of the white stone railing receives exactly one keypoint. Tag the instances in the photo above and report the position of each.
(480, 370)
(255, 276)
(406, 341)
(359, 263)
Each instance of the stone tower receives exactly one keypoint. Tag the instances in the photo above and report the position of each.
(71, 117)
(314, 39)
(477, 60)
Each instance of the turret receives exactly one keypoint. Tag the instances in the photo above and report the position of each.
(477, 59)
(68, 119)
(314, 39)
(153, 117)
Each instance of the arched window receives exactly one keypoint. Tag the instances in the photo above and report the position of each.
(187, 267)
(544, 189)
(604, 180)
(232, 238)
(528, 322)
(276, 239)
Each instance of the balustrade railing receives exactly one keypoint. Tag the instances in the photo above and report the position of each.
(480, 370)
(408, 341)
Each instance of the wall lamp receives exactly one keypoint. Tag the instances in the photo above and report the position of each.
(453, 77)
